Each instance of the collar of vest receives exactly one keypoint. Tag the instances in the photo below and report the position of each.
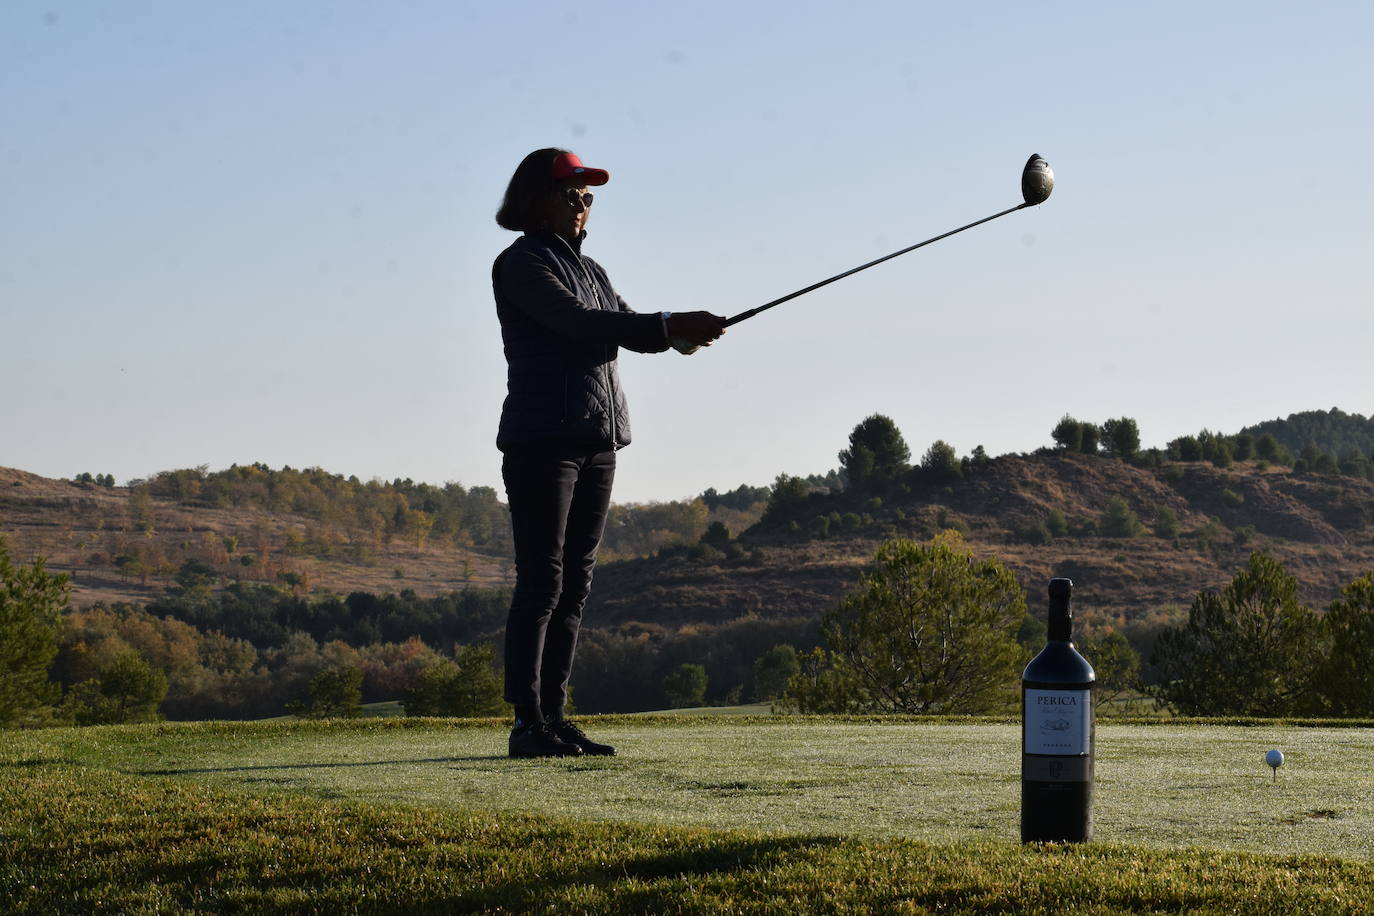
(553, 240)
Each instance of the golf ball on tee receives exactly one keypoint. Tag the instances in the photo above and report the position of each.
(1274, 758)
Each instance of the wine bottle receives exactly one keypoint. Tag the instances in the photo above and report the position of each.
(1057, 734)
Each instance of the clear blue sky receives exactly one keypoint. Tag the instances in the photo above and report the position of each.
(235, 232)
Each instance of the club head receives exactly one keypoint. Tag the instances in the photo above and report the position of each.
(1037, 181)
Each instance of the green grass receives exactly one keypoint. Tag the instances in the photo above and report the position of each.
(696, 814)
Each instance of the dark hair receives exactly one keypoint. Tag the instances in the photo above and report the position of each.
(522, 209)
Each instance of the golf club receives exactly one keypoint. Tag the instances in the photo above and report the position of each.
(1037, 181)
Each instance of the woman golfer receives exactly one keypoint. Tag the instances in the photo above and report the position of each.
(563, 420)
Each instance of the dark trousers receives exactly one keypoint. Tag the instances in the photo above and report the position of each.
(558, 502)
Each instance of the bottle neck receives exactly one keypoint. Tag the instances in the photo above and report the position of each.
(1060, 627)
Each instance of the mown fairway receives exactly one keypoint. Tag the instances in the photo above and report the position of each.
(696, 813)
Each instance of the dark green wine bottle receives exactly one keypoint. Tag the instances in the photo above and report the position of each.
(1057, 734)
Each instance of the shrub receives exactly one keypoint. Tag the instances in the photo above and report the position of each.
(1166, 524)
(1118, 521)
(1249, 650)
(466, 685)
(948, 521)
(1056, 524)
(127, 690)
(1036, 533)
(716, 534)
(333, 693)
(685, 686)
(773, 671)
(930, 629)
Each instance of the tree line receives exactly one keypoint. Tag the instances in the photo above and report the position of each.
(1331, 444)
(246, 653)
(252, 651)
(929, 629)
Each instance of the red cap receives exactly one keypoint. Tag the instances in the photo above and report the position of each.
(567, 165)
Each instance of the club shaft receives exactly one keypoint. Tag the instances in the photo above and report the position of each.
(801, 292)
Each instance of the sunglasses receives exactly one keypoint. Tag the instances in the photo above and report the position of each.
(574, 198)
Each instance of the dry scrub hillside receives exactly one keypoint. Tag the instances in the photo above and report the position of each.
(1319, 527)
(84, 529)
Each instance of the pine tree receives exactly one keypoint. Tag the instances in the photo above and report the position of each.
(931, 629)
(877, 452)
(1250, 650)
(31, 602)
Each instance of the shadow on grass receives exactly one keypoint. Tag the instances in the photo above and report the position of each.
(191, 771)
(333, 886)
(641, 872)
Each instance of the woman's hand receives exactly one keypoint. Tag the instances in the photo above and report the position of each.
(696, 329)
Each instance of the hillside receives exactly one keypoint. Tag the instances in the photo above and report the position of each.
(1319, 526)
(84, 529)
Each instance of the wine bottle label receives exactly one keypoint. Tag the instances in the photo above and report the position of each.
(1058, 721)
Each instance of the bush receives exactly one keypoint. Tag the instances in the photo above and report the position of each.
(467, 686)
(1116, 664)
(930, 629)
(1056, 524)
(705, 553)
(716, 534)
(334, 693)
(685, 686)
(1118, 521)
(1250, 650)
(948, 521)
(773, 671)
(1166, 524)
(127, 690)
